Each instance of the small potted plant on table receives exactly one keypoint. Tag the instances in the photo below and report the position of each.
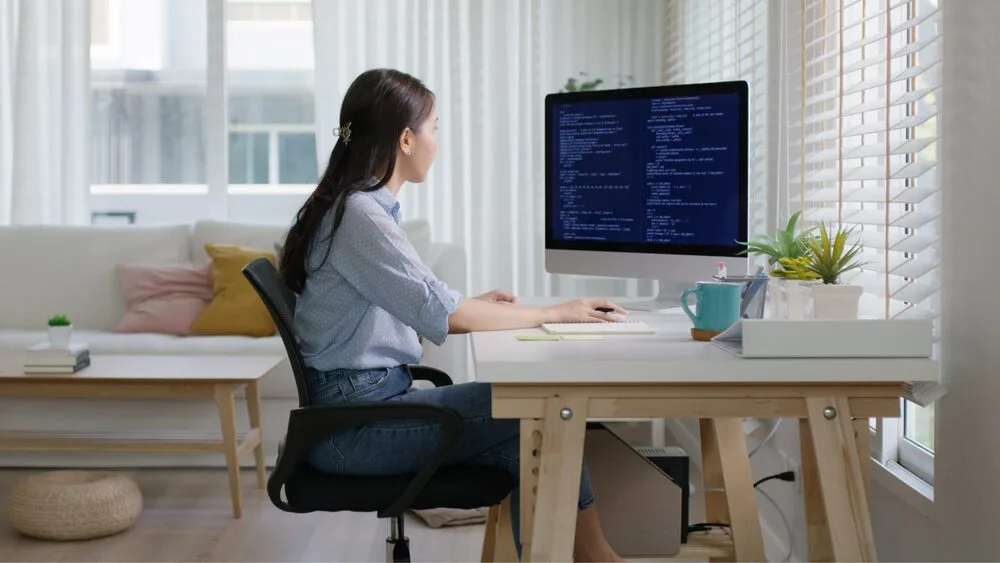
(829, 259)
(787, 252)
(60, 331)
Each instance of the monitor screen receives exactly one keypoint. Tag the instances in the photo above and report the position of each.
(655, 170)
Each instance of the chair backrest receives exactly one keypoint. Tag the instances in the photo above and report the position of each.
(280, 302)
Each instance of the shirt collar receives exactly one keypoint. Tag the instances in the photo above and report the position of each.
(388, 202)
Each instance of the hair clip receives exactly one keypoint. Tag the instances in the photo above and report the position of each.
(344, 132)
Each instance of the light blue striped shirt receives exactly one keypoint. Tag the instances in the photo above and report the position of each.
(364, 306)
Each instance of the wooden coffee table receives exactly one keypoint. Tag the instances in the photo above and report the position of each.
(150, 377)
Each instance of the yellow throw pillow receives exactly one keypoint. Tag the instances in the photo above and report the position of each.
(235, 309)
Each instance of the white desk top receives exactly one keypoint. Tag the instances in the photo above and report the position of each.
(669, 356)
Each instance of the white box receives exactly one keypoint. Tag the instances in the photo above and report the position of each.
(822, 338)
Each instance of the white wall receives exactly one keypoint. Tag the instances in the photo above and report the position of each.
(965, 518)
(967, 494)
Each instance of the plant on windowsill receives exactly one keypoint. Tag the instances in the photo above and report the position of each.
(584, 83)
(60, 330)
(830, 257)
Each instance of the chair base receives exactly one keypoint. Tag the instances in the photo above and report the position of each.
(397, 545)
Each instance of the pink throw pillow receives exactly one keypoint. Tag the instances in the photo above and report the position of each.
(164, 298)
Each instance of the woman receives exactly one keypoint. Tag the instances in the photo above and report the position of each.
(364, 297)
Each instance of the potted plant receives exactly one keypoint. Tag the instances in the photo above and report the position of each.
(585, 83)
(786, 252)
(784, 244)
(60, 331)
(829, 259)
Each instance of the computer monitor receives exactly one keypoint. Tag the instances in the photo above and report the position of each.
(647, 183)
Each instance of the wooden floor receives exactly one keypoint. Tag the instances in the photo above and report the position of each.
(187, 516)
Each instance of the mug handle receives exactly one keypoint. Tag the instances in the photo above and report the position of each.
(684, 303)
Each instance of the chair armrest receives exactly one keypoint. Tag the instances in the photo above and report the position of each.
(307, 425)
(427, 373)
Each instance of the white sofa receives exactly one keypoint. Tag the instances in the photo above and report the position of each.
(71, 270)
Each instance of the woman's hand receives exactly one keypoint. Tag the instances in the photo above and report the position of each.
(586, 311)
(498, 296)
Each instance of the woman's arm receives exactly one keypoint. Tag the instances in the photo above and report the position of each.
(475, 315)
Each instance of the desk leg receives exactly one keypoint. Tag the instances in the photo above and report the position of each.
(725, 458)
(817, 532)
(506, 551)
(840, 478)
(253, 409)
(559, 478)
(226, 401)
(531, 443)
(863, 437)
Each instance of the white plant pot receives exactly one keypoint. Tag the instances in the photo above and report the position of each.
(836, 301)
(788, 299)
(59, 336)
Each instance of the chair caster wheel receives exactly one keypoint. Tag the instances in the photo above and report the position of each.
(397, 550)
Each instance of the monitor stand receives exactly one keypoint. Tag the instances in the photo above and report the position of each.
(668, 296)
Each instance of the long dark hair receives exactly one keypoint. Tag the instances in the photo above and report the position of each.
(379, 105)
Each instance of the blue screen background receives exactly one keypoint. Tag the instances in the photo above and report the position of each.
(653, 171)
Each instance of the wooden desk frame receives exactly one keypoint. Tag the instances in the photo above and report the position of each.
(223, 392)
(834, 436)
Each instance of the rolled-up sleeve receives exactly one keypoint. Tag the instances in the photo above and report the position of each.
(372, 252)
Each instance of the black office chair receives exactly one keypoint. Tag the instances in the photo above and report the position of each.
(308, 490)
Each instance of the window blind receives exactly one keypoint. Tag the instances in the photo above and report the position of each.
(722, 40)
(862, 79)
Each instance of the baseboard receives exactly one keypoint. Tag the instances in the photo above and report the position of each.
(108, 415)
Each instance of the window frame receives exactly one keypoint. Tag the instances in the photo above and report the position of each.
(889, 445)
(111, 49)
(216, 190)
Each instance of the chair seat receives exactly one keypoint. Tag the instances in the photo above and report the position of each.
(458, 486)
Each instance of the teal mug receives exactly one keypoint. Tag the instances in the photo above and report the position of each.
(718, 305)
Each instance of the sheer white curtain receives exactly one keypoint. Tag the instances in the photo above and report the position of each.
(490, 63)
(44, 110)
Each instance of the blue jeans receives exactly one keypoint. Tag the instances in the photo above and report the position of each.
(404, 446)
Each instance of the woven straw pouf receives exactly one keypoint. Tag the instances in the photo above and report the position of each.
(73, 505)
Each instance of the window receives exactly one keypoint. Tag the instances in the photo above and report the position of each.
(272, 142)
(862, 85)
(203, 98)
(148, 103)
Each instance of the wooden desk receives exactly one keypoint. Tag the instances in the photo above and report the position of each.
(150, 377)
(554, 387)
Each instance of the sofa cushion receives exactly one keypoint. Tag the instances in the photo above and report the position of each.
(164, 298)
(71, 270)
(278, 384)
(249, 235)
(236, 308)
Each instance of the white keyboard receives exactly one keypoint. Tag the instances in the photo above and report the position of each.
(627, 327)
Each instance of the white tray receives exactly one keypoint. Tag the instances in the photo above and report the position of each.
(815, 338)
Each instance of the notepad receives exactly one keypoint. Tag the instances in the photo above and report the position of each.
(532, 337)
(557, 337)
(627, 327)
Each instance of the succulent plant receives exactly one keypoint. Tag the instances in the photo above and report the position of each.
(830, 258)
(59, 320)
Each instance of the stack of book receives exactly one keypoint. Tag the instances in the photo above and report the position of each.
(43, 359)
